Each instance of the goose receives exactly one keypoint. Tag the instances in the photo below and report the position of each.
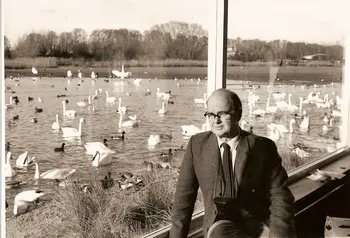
(162, 111)
(70, 131)
(120, 108)
(270, 109)
(92, 147)
(83, 103)
(127, 123)
(24, 161)
(101, 158)
(56, 124)
(55, 174)
(122, 137)
(70, 113)
(9, 171)
(153, 140)
(110, 99)
(23, 198)
(60, 149)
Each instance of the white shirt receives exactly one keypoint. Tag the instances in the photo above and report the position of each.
(233, 143)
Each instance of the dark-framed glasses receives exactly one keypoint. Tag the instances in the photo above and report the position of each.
(220, 115)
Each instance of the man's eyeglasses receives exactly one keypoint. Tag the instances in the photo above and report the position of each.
(220, 115)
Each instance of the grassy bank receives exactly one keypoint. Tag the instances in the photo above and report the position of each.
(101, 213)
(53, 62)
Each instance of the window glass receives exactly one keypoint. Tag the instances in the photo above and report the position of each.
(286, 63)
(92, 59)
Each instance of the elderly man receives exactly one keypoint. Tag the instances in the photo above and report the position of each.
(240, 175)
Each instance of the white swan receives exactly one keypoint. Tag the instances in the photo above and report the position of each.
(153, 140)
(52, 173)
(257, 113)
(162, 111)
(23, 198)
(56, 124)
(190, 130)
(274, 134)
(270, 109)
(24, 161)
(126, 123)
(201, 100)
(161, 94)
(120, 108)
(9, 171)
(92, 147)
(95, 95)
(121, 74)
(291, 107)
(278, 95)
(70, 113)
(304, 125)
(101, 158)
(133, 117)
(83, 103)
(110, 99)
(70, 131)
(9, 105)
(281, 128)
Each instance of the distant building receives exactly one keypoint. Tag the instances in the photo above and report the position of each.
(231, 51)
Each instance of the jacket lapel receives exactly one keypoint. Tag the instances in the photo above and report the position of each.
(242, 155)
(211, 156)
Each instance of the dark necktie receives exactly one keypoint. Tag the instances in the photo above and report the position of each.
(228, 171)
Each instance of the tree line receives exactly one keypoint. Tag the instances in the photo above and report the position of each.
(172, 40)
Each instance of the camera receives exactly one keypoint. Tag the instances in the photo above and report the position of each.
(227, 208)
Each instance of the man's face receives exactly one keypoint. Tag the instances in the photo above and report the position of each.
(227, 124)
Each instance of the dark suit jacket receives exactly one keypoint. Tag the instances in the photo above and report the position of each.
(262, 189)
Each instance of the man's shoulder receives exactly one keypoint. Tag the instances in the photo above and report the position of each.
(202, 136)
(257, 139)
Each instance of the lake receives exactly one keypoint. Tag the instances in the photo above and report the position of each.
(40, 140)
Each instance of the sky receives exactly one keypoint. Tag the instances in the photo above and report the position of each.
(318, 21)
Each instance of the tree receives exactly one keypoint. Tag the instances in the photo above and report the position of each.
(7, 48)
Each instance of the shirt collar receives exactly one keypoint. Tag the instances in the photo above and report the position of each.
(233, 143)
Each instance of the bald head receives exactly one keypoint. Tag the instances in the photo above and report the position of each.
(228, 99)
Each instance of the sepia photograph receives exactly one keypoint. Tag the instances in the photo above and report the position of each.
(156, 119)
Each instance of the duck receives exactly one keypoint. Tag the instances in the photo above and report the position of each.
(126, 123)
(101, 158)
(9, 171)
(166, 157)
(70, 113)
(34, 120)
(72, 132)
(60, 149)
(55, 174)
(92, 147)
(56, 124)
(121, 137)
(22, 200)
(37, 110)
(15, 117)
(108, 181)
